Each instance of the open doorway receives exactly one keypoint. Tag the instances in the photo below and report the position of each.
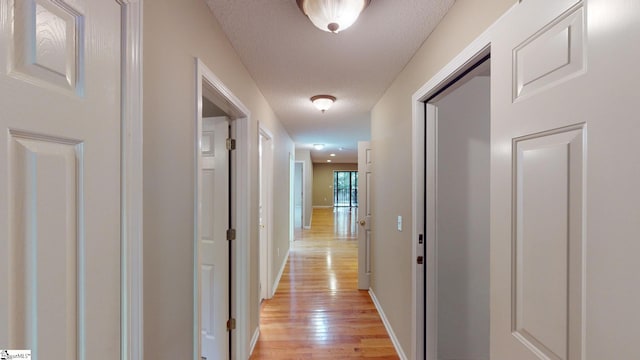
(213, 216)
(452, 211)
(459, 307)
(345, 188)
(220, 290)
(298, 196)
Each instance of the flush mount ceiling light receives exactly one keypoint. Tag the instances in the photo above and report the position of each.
(318, 146)
(332, 15)
(323, 102)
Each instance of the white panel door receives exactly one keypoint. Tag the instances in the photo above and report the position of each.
(60, 178)
(214, 247)
(565, 204)
(364, 210)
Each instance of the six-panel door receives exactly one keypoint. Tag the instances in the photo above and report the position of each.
(60, 180)
(564, 177)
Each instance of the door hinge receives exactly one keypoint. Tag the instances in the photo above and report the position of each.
(231, 144)
(231, 324)
(231, 234)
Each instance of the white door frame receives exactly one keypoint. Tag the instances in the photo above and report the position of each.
(303, 193)
(240, 204)
(292, 169)
(268, 156)
(365, 212)
(467, 58)
(131, 293)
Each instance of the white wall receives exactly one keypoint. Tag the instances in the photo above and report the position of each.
(305, 156)
(391, 145)
(463, 222)
(175, 32)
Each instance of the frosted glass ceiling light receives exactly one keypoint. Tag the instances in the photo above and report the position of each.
(332, 15)
(323, 102)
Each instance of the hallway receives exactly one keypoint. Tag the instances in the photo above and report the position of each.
(317, 311)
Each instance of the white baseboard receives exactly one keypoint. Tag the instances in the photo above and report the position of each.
(277, 281)
(308, 227)
(254, 340)
(387, 326)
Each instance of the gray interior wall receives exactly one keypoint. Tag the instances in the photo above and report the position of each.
(463, 222)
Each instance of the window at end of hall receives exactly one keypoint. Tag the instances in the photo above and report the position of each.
(345, 188)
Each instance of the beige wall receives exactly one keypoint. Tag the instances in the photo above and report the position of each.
(175, 32)
(391, 144)
(323, 181)
(305, 157)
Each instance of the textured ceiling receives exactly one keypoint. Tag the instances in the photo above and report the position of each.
(291, 61)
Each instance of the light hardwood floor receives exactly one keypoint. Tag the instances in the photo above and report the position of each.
(317, 311)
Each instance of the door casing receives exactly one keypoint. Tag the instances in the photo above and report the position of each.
(424, 212)
(240, 211)
(365, 175)
(132, 325)
(302, 194)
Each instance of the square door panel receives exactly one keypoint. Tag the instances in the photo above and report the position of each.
(46, 242)
(48, 43)
(552, 55)
(548, 242)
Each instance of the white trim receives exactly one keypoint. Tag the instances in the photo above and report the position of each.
(132, 324)
(387, 325)
(254, 340)
(302, 185)
(310, 220)
(242, 222)
(266, 133)
(241, 219)
(277, 281)
(292, 168)
(463, 60)
(418, 130)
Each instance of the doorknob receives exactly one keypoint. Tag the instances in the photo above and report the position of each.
(362, 222)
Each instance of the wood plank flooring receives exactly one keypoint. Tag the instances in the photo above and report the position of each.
(317, 312)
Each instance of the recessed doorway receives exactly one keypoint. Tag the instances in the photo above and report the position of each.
(220, 288)
(451, 177)
(460, 273)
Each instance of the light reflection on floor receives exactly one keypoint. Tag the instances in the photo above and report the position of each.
(317, 311)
